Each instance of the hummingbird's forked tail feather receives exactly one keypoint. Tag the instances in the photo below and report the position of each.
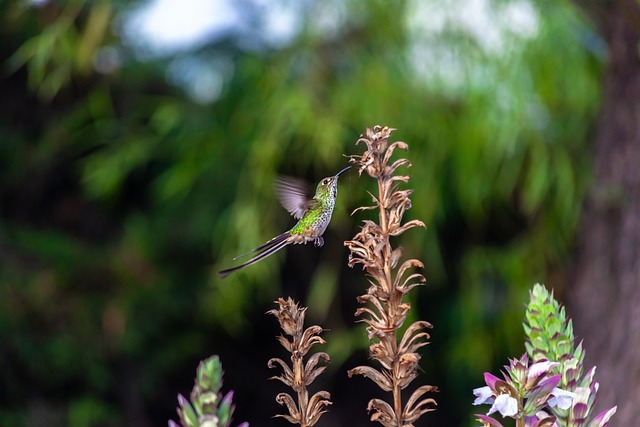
(264, 250)
(265, 245)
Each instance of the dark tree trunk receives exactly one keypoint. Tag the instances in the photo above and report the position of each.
(604, 296)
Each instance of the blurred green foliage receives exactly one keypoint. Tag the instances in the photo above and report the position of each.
(121, 195)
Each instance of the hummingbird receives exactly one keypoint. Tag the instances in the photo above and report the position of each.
(313, 215)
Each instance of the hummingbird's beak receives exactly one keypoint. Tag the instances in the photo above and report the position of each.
(338, 174)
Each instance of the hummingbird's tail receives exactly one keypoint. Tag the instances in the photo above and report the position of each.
(264, 250)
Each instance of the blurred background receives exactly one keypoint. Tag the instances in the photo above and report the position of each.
(139, 141)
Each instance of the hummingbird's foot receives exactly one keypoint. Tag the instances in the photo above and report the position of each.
(319, 241)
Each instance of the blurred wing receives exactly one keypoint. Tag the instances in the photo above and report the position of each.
(294, 195)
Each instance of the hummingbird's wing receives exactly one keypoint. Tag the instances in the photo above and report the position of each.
(294, 195)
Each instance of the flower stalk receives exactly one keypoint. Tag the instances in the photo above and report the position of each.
(549, 335)
(527, 393)
(303, 411)
(384, 307)
(208, 407)
(551, 391)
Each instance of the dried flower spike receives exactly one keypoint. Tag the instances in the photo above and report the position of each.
(307, 411)
(385, 309)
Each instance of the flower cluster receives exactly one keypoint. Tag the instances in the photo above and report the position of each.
(552, 392)
(550, 336)
(307, 411)
(526, 394)
(207, 408)
(385, 310)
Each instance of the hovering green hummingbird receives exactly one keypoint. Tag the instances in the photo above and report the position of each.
(313, 215)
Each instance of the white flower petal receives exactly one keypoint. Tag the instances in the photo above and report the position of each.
(561, 398)
(483, 395)
(506, 405)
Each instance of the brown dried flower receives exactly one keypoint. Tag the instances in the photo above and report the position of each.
(307, 411)
(385, 310)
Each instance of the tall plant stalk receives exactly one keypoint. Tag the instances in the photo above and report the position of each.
(304, 411)
(385, 308)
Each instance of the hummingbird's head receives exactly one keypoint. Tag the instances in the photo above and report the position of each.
(329, 185)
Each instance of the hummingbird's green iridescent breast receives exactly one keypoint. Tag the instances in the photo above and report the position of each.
(315, 221)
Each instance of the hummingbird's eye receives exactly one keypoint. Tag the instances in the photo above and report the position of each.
(325, 181)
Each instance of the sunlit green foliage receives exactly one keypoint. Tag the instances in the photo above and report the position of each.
(121, 195)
